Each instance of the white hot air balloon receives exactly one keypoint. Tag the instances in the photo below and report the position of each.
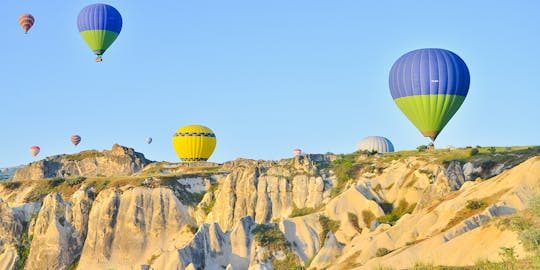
(375, 144)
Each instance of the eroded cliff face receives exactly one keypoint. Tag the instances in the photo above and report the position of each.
(59, 231)
(213, 220)
(269, 191)
(127, 227)
(11, 229)
(119, 160)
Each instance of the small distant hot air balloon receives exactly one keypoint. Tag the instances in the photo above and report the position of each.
(429, 86)
(149, 140)
(99, 25)
(375, 143)
(26, 21)
(75, 139)
(194, 143)
(297, 151)
(34, 150)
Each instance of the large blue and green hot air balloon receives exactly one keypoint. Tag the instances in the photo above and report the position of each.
(429, 86)
(99, 25)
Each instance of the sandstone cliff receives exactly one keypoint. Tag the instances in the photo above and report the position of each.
(118, 161)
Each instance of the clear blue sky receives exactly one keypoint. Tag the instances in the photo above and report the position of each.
(266, 76)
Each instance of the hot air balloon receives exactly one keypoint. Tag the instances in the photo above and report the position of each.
(297, 151)
(429, 86)
(34, 150)
(99, 25)
(148, 140)
(375, 143)
(75, 139)
(194, 143)
(26, 21)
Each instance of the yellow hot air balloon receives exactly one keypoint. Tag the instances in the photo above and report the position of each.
(194, 143)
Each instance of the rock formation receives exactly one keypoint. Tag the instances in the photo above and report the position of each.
(119, 160)
(248, 214)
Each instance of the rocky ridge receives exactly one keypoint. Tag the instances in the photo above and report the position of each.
(248, 214)
(119, 160)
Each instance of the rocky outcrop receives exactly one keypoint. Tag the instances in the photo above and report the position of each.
(11, 229)
(268, 191)
(127, 227)
(119, 160)
(241, 242)
(303, 233)
(330, 251)
(60, 230)
(455, 175)
(440, 229)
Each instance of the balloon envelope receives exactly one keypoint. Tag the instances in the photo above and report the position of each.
(148, 140)
(375, 143)
(99, 25)
(194, 143)
(75, 139)
(26, 21)
(429, 86)
(34, 150)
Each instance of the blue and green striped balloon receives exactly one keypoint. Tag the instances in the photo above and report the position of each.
(429, 86)
(99, 25)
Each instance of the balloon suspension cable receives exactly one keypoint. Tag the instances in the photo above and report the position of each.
(99, 59)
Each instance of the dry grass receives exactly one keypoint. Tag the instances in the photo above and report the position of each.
(468, 212)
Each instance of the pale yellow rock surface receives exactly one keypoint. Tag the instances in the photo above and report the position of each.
(303, 233)
(126, 229)
(267, 191)
(509, 192)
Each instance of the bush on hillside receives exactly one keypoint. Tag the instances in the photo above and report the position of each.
(367, 217)
(474, 204)
(75, 181)
(381, 252)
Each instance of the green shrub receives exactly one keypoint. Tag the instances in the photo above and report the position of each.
(397, 212)
(11, 185)
(381, 252)
(534, 206)
(473, 152)
(23, 249)
(54, 182)
(514, 223)
(530, 238)
(298, 212)
(192, 228)
(474, 204)
(75, 181)
(492, 149)
(508, 256)
(367, 217)
(291, 262)
(422, 148)
(353, 220)
(269, 236)
(345, 169)
(328, 225)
